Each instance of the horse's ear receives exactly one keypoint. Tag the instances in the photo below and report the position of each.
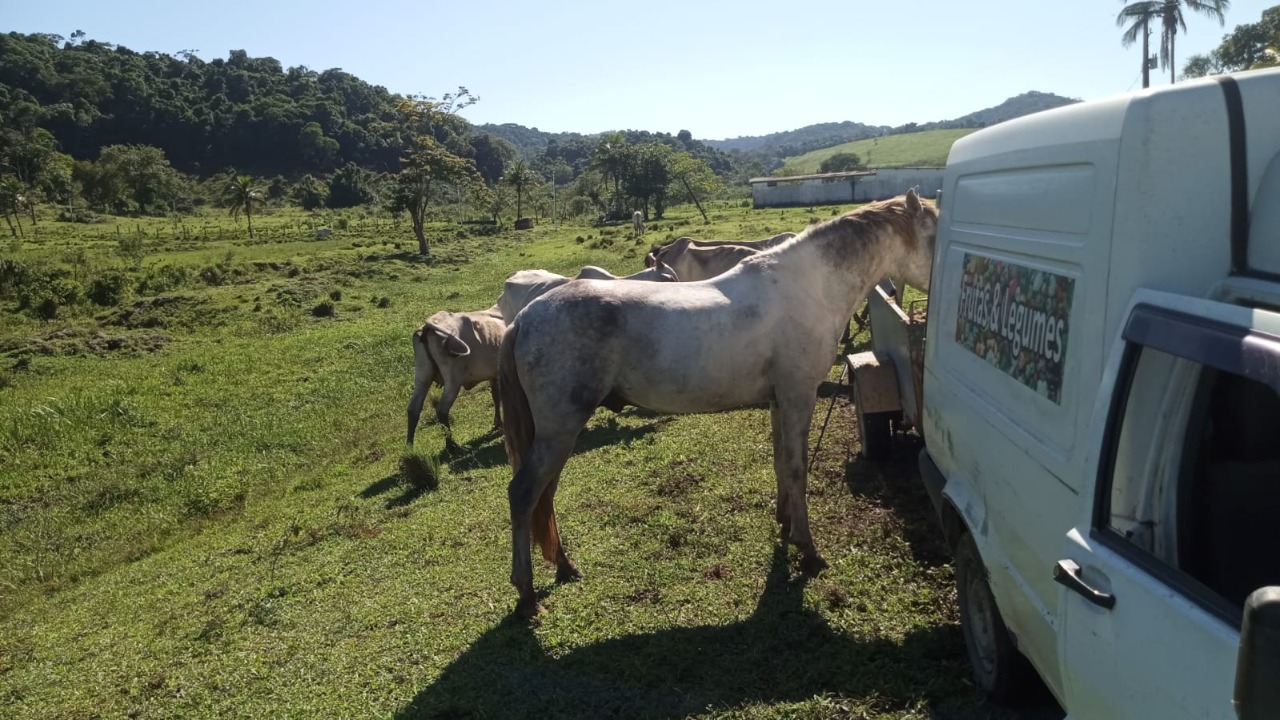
(650, 260)
(913, 202)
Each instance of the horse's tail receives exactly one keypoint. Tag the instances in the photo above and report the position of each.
(517, 418)
(517, 430)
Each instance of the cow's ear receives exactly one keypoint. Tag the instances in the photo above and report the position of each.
(665, 270)
(453, 345)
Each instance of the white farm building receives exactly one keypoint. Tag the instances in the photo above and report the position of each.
(839, 188)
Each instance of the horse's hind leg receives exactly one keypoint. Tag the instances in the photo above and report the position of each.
(790, 451)
(533, 514)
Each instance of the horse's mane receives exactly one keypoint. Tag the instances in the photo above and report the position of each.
(860, 224)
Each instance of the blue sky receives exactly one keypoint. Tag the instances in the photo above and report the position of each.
(716, 69)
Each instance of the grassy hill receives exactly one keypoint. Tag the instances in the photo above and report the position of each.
(201, 514)
(927, 148)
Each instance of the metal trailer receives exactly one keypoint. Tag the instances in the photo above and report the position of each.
(886, 382)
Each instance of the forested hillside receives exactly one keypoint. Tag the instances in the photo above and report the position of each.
(88, 127)
(242, 112)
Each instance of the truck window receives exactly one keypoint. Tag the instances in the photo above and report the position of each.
(1189, 487)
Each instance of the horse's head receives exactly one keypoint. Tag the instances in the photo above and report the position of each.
(917, 261)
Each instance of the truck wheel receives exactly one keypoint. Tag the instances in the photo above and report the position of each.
(876, 433)
(999, 669)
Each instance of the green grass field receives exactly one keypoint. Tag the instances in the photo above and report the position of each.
(202, 513)
(922, 149)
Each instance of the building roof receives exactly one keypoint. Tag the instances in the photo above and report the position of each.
(824, 176)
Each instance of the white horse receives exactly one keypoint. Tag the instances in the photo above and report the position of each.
(637, 223)
(763, 332)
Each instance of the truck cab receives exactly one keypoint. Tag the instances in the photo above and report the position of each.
(1101, 399)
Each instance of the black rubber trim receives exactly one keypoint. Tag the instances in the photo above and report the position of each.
(1238, 149)
(1243, 351)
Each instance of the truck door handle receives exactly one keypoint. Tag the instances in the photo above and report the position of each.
(1067, 572)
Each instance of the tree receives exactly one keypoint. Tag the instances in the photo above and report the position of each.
(352, 185)
(138, 173)
(436, 146)
(491, 154)
(695, 178)
(425, 166)
(520, 177)
(1172, 18)
(315, 148)
(841, 162)
(647, 175)
(610, 159)
(310, 193)
(243, 196)
(12, 202)
(1249, 46)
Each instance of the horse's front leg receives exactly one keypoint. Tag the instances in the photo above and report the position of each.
(782, 511)
(497, 404)
(794, 416)
(443, 406)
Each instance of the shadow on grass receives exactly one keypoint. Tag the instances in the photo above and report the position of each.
(784, 652)
(408, 491)
(894, 483)
(488, 451)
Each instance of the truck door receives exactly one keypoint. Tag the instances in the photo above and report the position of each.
(1179, 531)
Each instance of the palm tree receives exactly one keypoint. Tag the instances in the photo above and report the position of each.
(520, 177)
(242, 196)
(1138, 17)
(1171, 18)
(13, 200)
(610, 159)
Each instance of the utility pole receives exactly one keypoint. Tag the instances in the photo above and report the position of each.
(1146, 53)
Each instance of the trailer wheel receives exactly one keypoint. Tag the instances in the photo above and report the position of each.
(876, 433)
(999, 669)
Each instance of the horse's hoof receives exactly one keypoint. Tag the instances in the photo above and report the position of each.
(567, 572)
(528, 609)
(812, 565)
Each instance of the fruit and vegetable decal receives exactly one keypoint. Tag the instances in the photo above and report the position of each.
(1018, 319)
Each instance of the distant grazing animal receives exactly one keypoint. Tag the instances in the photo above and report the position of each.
(455, 350)
(525, 286)
(637, 223)
(764, 332)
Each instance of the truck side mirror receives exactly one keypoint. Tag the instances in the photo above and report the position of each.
(1257, 693)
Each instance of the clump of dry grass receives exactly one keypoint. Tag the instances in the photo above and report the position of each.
(422, 471)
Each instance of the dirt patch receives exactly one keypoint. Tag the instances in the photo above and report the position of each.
(84, 341)
(156, 312)
(678, 480)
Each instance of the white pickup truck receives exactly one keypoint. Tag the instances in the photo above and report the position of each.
(1100, 407)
